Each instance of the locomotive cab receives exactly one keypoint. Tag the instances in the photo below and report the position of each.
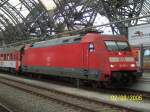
(113, 56)
(122, 64)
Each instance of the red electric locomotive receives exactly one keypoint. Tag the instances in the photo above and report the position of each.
(93, 57)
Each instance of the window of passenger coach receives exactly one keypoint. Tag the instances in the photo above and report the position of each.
(8, 57)
(11, 57)
(14, 57)
(4, 56)
(1, 57)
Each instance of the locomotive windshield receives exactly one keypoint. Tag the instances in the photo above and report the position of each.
(117, 46)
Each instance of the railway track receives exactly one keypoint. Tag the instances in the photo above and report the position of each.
(4, 108)
(130, 93)
(77, 102)
(145, 79)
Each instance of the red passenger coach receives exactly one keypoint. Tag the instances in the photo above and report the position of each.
(92, 57)
(9, 60)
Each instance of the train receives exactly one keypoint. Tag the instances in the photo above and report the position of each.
(144, 61)
(92, 57)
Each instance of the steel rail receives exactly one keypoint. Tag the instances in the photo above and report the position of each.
(4, 108)
(78, 102)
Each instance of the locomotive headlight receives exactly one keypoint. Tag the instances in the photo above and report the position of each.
(132, 65)
(112, 66)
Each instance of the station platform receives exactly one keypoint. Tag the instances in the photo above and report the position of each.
(98, 96)
(143, 84)
(146, 74)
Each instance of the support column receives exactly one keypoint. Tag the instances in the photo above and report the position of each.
(141, 57)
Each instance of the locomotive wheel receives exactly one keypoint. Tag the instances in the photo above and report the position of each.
(37, 76)
(30, 75)
(76, 82)
(104, 85)
(95, 84)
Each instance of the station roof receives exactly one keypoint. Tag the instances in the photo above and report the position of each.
(27, 19)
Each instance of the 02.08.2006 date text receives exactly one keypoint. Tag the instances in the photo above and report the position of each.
(126, 98)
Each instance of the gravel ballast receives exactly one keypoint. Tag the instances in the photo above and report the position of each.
(21, 101)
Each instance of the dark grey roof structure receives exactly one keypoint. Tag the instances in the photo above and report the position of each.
(39, 22)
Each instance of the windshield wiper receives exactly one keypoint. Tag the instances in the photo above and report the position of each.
(125, 49)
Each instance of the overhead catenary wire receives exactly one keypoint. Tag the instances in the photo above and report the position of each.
(72, 31)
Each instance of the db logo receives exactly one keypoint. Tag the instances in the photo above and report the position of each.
(122, 59)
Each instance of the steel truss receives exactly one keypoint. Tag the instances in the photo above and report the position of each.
(68, 15)
(85, 12)
(145, 9)
(122, 9)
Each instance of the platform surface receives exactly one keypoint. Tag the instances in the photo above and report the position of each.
(143, 84)
(146, 74)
